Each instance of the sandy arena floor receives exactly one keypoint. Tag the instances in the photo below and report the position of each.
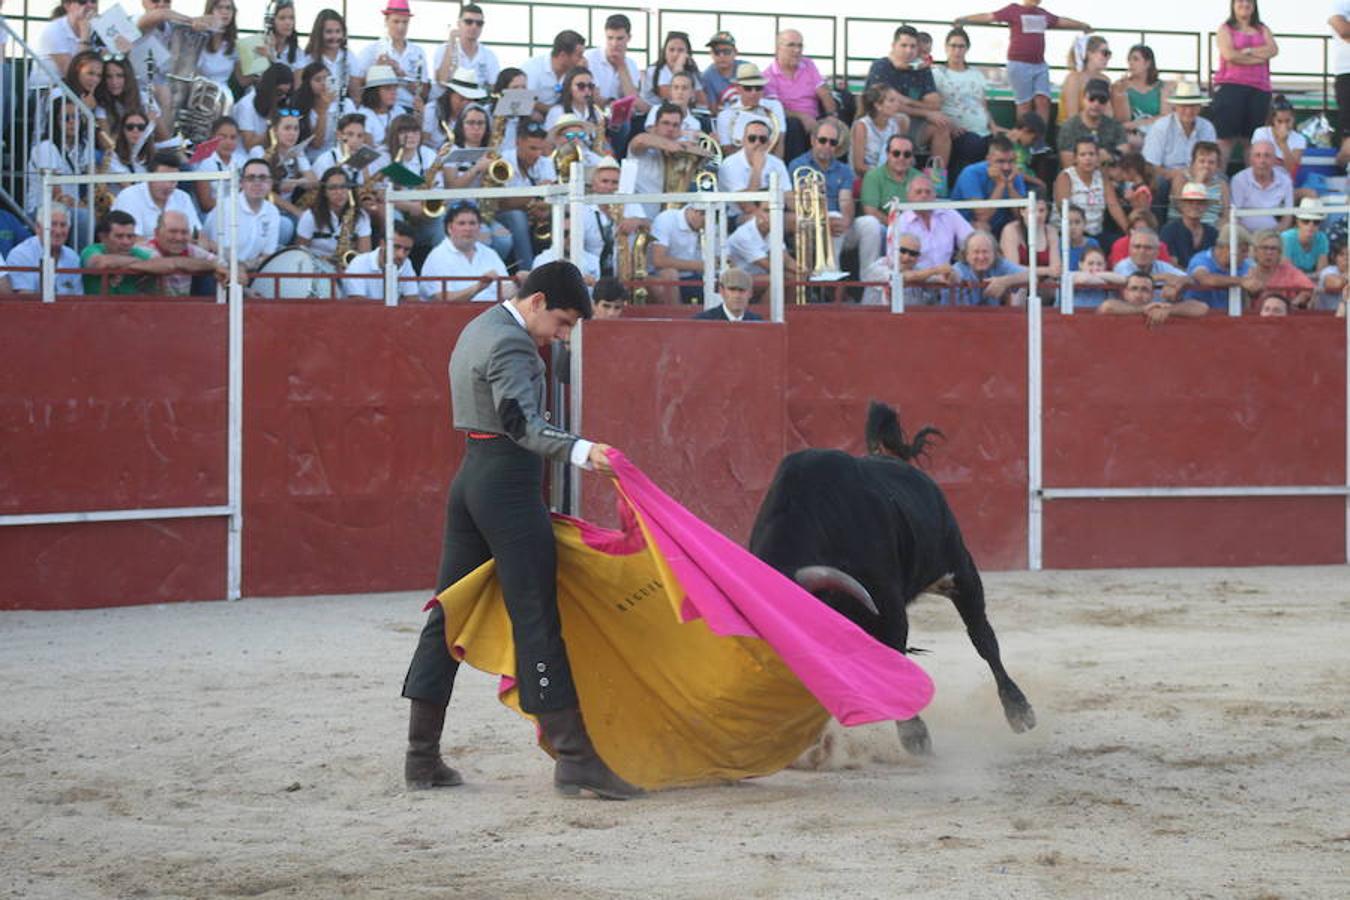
(1192, 742)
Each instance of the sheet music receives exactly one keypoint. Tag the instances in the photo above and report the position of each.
(115, 29)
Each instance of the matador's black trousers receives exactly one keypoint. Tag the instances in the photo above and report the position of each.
(496, 510)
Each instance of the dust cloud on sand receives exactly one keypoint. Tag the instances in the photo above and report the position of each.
(1192, 742)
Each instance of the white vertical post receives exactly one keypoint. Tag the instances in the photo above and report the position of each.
(557, 207)
(722, 235)
(576, 246)
(574, 422)
(776, 313)
(709, 255)
(235, 391)
(48, 273)
(1066, 272)
(1033, 286)
(897, 286)
(1234, 292)
(1035, 509)
(1347, 419)
(391, 297)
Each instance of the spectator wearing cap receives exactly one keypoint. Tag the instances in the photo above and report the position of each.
(750, 102)
(146, 201)
(372, 264)
(749, 168)
(677, 253)
(1144, 258)
(606, 224)
(1189, 235)
(577, 122)
(720, 77)
(1262, 185)
(470, 270)
(379, 103)
(734, 287)
(609, 298)
(407, 60)
(530, 166)
(469, 52)
(794, 81)
(994, 179)
(458, 93)
(919, 97)
(27, 254)
(1209, 270)
(545, 73)
(1093, 122)
(1172, 139)
(1137, 298)
(847, 229)
(1306, 245)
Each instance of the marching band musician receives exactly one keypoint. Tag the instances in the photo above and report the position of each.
(379, 102)
(510, 79)
(650, 149)
(372, 263)
(321, 107)
(602, 231)
(64, 151)
(468, 51)
(259, 221)
(290, 167)
(461, 90)
(220, 56)
(847, 230)
(545, 73)
(119, 95)
(255, 109)
(228, 155)
(321, 225)
(471, 132)
(404, 146)
(750, 100)
(682, 95)
(570, 136)
(351, 136)
(280, 44)
(146, 201)
(406, 59)
(530, 165)
(328, 45)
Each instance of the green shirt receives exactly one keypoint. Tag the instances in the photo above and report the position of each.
(878, 187)
(115, 284)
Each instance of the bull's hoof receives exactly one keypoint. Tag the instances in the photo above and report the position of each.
(914, 737)
(1020, 716)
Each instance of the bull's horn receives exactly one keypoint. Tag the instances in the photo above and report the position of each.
(827, 578)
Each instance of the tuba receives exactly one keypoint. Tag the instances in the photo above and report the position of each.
(703, 155)
(197, 102)
(637, 259)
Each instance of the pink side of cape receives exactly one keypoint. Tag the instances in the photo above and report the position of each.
(856, 678)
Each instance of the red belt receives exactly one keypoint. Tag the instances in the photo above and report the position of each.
(483, 436)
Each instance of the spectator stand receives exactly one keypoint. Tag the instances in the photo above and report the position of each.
(232, 510)
(26, 118)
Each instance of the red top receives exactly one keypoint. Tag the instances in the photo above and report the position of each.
(1029, 25)
(1121, 249)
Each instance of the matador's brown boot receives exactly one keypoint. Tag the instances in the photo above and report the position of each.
(578, 766)
(423, 768)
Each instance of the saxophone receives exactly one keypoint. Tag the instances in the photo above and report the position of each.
(434, 209)
(344, 254)
(103, 194)
(498, 172)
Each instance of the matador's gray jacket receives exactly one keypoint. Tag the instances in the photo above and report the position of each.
(497, 385)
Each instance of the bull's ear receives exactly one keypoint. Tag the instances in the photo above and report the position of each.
(825, 580)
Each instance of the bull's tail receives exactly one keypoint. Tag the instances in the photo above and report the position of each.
(885, 437)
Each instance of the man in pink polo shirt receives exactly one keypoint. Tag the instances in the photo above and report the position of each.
(796, 82)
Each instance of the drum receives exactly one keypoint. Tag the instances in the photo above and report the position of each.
(306, 276)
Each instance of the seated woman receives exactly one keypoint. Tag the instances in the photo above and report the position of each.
(321, 226)
(254, 110)
(320, 109)
(1088, 59)
(220, 57)
(1140, 98)
(228, 155)
(1279, 130)
(119, 96)
(1306, 245)
(578, 106)
(404, 146)
(682, 95)
(1013, 241)
(64, 150)
(1085, 187)
(84, 76)
(880, 118)
(1332, 280)
(1092, 283)
(471, 132)
(965, 102)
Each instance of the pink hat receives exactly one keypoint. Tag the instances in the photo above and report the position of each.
(399, 7)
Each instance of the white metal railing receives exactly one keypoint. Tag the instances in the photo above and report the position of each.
(233, 507)
(1235, 213)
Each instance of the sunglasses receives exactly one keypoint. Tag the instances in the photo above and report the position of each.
(752, 87)
(1097, 98)
(574, 135)
(756, 138)
(796, 45)
(725, 51)
(583, 85)
(902, 154)
(134, 126)
(472, 21)
(906, 251)
(833, 142)
(107, 56)
(288, 111)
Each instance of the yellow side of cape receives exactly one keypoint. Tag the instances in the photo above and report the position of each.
(667, 703)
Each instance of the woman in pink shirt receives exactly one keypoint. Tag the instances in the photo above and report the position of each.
(1242, 84)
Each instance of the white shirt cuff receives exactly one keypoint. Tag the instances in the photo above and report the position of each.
(581, 453)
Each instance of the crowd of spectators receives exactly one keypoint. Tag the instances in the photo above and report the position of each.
(319, 132)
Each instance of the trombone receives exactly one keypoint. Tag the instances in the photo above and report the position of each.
(812, 239)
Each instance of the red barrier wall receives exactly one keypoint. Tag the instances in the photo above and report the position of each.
(348, 447)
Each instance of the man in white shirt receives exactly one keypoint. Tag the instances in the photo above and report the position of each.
(258, 218)
(749, 168)
(530, 165)
(748, 246)
(545, 73)
(372, 263)
(408, 60)
(475, 266)
(589, 264)
(616, 73)
(649, 149)
(146, 201)
(677, 253)
(469, 53)
(750, 103)
(1262, 185)
(28, 254)
(1172, 139)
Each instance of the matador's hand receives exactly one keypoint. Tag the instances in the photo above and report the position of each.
(599, 461)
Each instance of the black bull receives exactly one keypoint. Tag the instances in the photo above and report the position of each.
(829, 515)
